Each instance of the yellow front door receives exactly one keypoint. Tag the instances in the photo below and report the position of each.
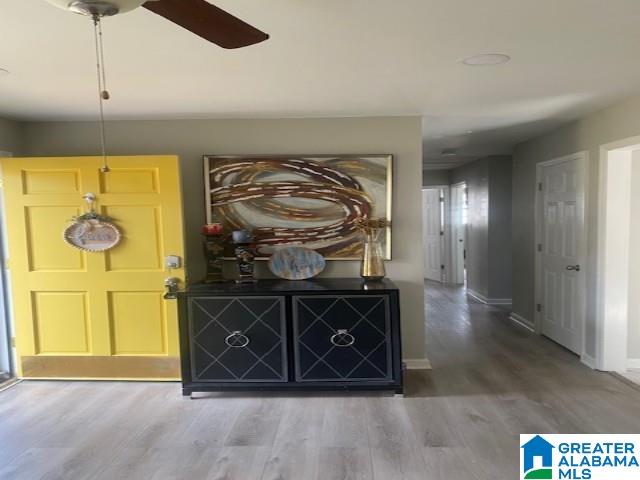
(81, 314)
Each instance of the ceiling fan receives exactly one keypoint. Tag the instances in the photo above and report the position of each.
(197, 16)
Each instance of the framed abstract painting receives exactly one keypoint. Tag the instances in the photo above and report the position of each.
(307, 200)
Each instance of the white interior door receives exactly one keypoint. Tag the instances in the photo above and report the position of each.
(562, 251)
(457, 233)
(432, 233)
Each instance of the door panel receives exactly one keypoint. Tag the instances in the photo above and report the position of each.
(44, 222)
(563, 287)
(138, 323)
(51, 181)
(569, 290)
(432, 239)
(104, 311)
(141, 227)
(129, 180)
(61, 322)
(570, 247)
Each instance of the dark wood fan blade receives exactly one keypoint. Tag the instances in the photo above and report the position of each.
(208, 21)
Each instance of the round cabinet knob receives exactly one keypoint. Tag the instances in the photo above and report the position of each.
(237, 340)
(342, 339)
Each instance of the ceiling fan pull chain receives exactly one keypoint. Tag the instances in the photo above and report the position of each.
(103, 94)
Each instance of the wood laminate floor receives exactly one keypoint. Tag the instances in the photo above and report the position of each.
(632, 375)
(490, 381)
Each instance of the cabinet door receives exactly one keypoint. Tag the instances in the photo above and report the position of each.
(238, 339)
(342, 338)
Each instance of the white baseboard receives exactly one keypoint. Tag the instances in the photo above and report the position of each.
(590, 361)
(521, 321)
(633, 363)
(417, 363)
(488, 301)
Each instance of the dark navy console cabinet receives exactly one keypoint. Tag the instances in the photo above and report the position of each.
(325, 334)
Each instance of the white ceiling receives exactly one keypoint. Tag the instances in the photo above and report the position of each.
(337, 58)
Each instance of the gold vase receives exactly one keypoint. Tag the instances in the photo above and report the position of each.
(372, 267)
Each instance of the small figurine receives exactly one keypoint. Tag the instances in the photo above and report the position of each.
(245, 255)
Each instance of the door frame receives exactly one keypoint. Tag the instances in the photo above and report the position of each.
(612, 295)
(583, 161)
(7, 365)
(445, 241)
(452, 242)
(7, 351)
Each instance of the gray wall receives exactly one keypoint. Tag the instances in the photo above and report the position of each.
(436, 178)
(190, 139)
(617, 122)
(10, 136)
(500, 199)
(488, 244)
(633, 341)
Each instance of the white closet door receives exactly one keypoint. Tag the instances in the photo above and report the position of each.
(432, 238)
(563, 254)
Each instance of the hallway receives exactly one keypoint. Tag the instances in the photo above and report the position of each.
(475, 350)
(491, 381)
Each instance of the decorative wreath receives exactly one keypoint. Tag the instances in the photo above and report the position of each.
(92, 233)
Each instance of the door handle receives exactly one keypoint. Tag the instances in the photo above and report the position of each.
(573, 267)
(171, 284)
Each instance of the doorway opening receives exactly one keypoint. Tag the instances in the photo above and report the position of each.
(459, 221)
(435, 235)
(617, 329)
(445, 218)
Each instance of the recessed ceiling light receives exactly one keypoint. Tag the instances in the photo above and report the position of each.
(486, 59)
(3, 72)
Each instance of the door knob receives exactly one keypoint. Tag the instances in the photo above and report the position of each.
(171, 284)
(574, 267)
